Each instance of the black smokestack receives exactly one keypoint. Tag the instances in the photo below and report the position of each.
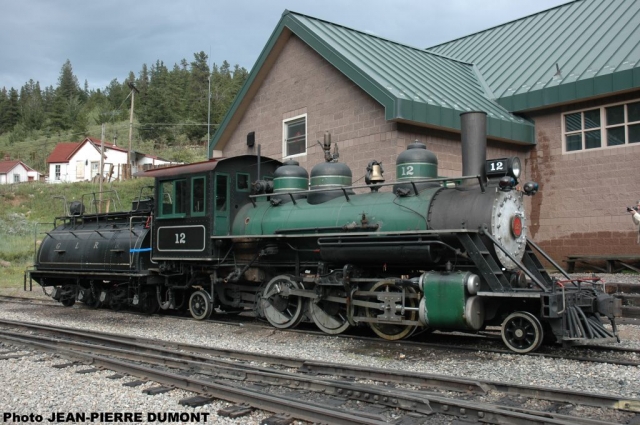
(474, 143)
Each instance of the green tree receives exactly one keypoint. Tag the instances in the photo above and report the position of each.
(31, 106)
(4, 107)
(197, 98)
(155, 113)
(12, 116)
(67, 99)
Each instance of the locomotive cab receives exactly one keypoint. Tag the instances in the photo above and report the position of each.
(196, 204)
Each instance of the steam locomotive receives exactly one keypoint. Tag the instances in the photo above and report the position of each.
(252, 233)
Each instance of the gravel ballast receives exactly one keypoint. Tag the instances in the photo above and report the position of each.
(31, 385)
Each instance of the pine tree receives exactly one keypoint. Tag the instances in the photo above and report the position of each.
(4, 107)
(155, 110)
(13, 109)
(67, 102)
(197, 98)
(31, 106)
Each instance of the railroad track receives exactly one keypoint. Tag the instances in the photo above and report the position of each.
(160, 360)
(486, 342)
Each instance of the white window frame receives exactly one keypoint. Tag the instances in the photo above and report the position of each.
(16, 178)
(285, 124)
(57, 171)
(602, 128)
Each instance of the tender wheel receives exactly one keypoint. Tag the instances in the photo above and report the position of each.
(68, 297)
(87, 297)
(200, 305)
(329, 316)
(522, 332)
(149, 303)
(118, 299)
(392, 331)
(68, 302)
(281, 309)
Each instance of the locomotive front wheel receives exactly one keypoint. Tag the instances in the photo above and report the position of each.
(149, 303)
(522, 332)
(392, 331)
(280, 308)
(330, 317)
(200, 305)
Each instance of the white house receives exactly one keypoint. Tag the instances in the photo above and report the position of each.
(16, 172)
(73, 162)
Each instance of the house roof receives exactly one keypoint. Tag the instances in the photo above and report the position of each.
(62, 152)
(581, 49)
(413, 85)
(7, 166)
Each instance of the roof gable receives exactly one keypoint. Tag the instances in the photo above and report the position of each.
(7, 166)
(62, 152)
(578, 50)
(412, 84)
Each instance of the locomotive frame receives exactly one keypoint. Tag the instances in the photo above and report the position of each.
(245, 233)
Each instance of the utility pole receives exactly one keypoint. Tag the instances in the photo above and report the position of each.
(134, 90)
(209, 115)
(209, 69)
(101, 168)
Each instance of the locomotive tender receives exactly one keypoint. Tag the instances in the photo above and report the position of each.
(247, 233)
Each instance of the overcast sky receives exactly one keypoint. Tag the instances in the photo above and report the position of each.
(106, 39)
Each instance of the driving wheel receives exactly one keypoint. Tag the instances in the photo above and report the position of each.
(329, 314)
(282, 309)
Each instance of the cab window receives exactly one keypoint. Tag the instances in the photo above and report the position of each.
(198, 196)
(173, 196)
(242, 182)
(221, 192)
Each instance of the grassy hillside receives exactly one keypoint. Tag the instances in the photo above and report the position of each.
(28, 209)
(33, 147)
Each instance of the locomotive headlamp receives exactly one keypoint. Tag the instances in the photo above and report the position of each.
(506, 183)
(516, 167)
(504, 167)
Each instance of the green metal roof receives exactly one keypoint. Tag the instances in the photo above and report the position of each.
(578, 50)
(412, 84)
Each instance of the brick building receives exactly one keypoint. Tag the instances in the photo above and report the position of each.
(561, 89)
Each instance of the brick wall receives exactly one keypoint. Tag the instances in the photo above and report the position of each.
(581, 206)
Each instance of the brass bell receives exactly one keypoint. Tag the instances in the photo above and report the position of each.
(376, 174)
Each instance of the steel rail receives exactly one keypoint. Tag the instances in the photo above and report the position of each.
(420, 344)
(305, 411)
(407, 400)
(384, 375)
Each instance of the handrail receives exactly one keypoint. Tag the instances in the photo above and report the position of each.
(344, 188)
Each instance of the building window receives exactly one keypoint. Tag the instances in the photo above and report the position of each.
(57, 172)
(16, 178)
(294, 132)
(607, 126)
